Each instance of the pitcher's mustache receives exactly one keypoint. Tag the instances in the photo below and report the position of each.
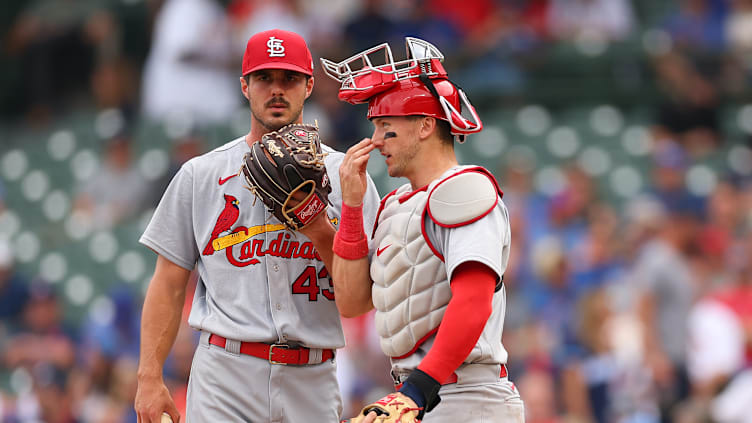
(276, 101)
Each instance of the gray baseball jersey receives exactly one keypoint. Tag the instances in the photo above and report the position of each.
(270, 287)
(257, 282)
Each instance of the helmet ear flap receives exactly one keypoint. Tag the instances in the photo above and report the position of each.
(460, 125)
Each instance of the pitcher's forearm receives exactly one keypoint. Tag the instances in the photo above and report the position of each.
(321, 233)
(159, 327)
(161, 315)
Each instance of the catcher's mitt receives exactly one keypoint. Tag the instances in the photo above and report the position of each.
(393, 408)
(286, 170)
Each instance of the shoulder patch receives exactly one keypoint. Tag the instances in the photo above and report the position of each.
(462, 199)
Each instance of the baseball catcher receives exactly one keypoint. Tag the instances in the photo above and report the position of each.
(285, 169)
(442, 244)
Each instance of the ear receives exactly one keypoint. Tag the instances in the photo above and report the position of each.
(309, 87)
(426, 127)
(244, 87)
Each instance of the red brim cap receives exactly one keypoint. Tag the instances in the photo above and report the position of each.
(279, 65)
(277, 49)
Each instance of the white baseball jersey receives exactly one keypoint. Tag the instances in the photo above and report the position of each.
(407, 233)
(269, 286)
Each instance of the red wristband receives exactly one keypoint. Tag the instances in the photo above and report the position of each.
(350, 242)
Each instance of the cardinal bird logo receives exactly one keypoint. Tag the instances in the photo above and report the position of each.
(226, 219)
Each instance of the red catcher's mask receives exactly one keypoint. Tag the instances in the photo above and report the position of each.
(417, 85)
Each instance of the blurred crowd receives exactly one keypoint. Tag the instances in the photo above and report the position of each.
(151, 59)
(615, 313)
(612, 312)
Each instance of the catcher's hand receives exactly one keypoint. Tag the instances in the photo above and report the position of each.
(286, 170)
(393, 408)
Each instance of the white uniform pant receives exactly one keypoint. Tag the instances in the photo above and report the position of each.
(484, 403)
(228, 387)
(480, 395)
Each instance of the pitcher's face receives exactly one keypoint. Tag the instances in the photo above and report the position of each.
(276, 96)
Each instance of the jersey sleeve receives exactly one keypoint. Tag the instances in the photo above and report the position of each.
(170, 231)
(466, 316)
(485, 240)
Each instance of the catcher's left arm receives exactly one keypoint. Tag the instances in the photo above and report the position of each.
(419, 394)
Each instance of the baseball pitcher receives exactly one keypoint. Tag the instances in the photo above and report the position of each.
(256, 218)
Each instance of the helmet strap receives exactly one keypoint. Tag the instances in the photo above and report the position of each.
(429, 84)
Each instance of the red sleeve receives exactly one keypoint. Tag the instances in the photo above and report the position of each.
(473, 285)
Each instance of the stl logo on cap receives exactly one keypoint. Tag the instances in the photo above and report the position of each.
(276, 49)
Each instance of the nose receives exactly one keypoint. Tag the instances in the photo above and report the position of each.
(277, 89)
(277, 85)
(377, 139)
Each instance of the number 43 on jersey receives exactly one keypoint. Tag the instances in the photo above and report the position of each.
(308, 283)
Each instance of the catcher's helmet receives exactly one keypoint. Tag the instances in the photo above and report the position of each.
(417, 85)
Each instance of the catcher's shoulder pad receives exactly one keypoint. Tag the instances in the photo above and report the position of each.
(463, 197)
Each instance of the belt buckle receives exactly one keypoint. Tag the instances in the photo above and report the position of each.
(271, 353)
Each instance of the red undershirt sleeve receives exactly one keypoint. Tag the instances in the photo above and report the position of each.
(472, 285)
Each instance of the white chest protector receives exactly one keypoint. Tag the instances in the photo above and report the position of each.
(410, 283)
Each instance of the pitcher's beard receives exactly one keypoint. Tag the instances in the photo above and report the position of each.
(274, 125)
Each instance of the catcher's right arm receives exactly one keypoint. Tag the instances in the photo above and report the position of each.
(286, 170)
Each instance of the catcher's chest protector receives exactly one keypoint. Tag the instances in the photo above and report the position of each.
(410, 286)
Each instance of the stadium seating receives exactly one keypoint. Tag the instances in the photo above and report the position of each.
(41, 169)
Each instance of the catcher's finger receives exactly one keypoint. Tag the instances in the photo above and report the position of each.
(352, 172)
(359, 153)
(360, 418)
(364, 144)
(370, 418)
